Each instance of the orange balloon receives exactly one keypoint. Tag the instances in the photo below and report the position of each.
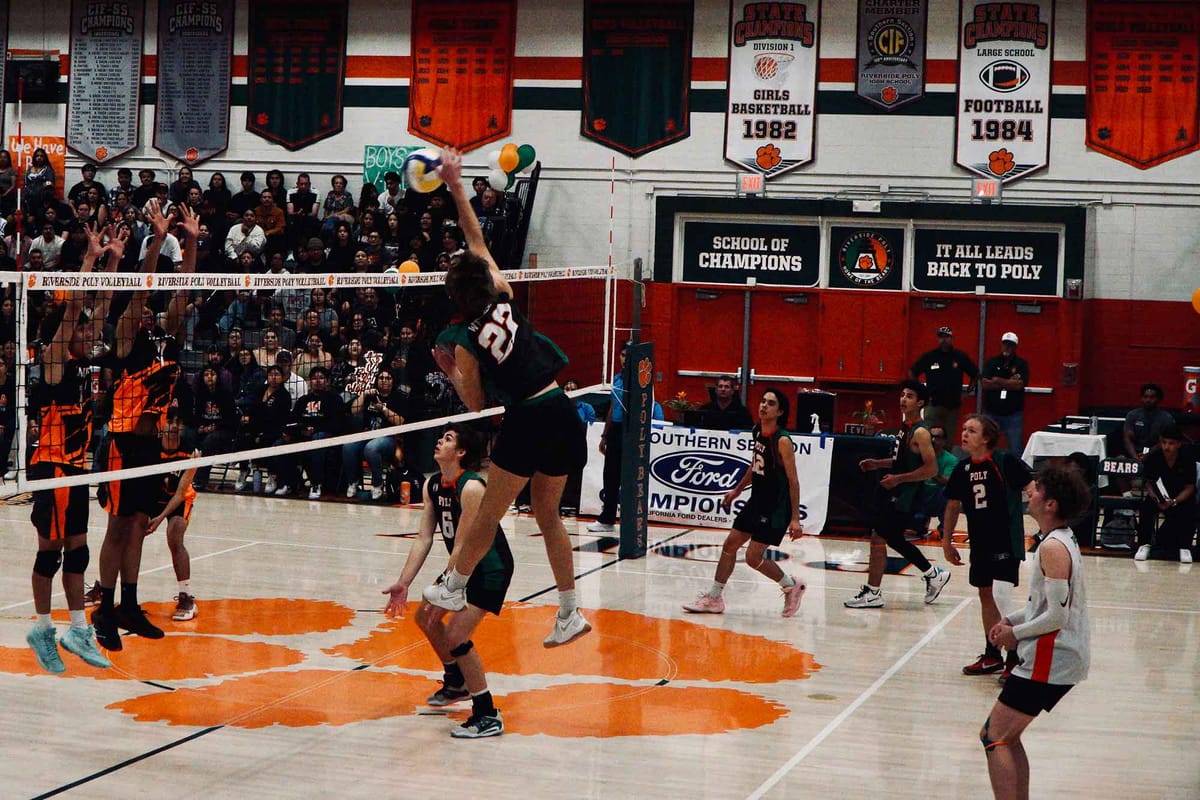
(410, 266)
(509, 157)
(1196, 300)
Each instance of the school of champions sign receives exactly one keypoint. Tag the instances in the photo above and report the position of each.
(195, 56)
(772, 85)
(106, 78)
(1003, 262)
(771, 253)
(1004, 61)
(866, 258)
(891, 51)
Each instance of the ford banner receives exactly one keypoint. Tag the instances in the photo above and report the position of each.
(691, 470)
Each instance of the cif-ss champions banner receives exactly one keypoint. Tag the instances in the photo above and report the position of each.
(779, 254)
(1003, 262)
(1143, 94)
(296, 64)
(195, 60)
(891, 51)
(4, 61)
(692, 469)
(637, 71)
(103, 107)
(463, 67)
(1004, 60)
(772, 85)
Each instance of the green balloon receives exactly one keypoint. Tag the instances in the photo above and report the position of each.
(512, 179)
(526, 155)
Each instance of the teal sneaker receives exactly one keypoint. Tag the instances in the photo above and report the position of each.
(82, 642)
(46, 649)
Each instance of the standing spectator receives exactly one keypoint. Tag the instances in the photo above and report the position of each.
(1144, 426)
(1004, 380)
(725, 412)
(250, 380)
(611, 441)
(217, 199)
(247, 237)
(379, 407)
(216, 419)
(340, 257)
(263, 423)
(1171, 490)
(944, 368)
(316, 415)
(39, 181)
(79, 191)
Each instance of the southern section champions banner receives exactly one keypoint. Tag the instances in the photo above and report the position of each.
(296, 64)
(770, 252)
(106, 78)
(4, 61)
(463, 68)
(195, 58)
(891, 52)
(1143, 96)
(866, 258)
(637, 70)
(691, 470)
(1004, 60)
(1003, 262)
(772, 85)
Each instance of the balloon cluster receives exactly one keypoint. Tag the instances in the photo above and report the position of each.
(504, 164)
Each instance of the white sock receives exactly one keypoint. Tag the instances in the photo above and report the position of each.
(185, 587)
(716, 590)
(78, 619)
(929, 573)
(874, 589)
(787, 581)
(43, 622)
(455, 580)
(566, 603)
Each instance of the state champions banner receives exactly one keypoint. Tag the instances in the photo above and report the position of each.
(103, 105)
(463, 56)
(890, 64)
(1004, 61)
(195, 63)
(769, 119)
(692, 469)
(1143, 94)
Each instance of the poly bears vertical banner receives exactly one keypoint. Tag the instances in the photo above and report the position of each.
(1006, 52)
(103, 106)
(772, 85)
(637, 70)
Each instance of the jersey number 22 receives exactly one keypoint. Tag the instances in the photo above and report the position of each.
(498, 334)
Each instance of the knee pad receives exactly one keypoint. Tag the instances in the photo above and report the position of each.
(46, 563)
(76, 561)
(755, 563)
(462, 649)
(986, 740)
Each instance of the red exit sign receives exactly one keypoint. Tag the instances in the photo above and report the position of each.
(985, 188)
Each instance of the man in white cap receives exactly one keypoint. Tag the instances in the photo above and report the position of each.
(1004, 380)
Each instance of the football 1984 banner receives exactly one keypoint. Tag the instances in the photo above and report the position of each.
(891, 51)
(772, 85)
(1004, 61)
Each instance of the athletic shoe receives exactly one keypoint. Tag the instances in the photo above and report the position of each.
(134, 620)
(1142, 553)
(92, 596)
(567, 630)
(436, 594)
(866, 598)
(792, 597)
(705, 604)
(935, 583)
(1185, 556)
(107, 635)
(283, 491)
(314, 493)
(445, 696)
(351, 491)
(243, 480)
(45, 647)
(1011, 661)
(376, 492)
(185, 607)
(984, 665)
(601, 527)
(11, 475)
(479, 726)
(270, 486)
(82, 642)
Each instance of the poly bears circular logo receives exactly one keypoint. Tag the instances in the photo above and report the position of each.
(866, 258)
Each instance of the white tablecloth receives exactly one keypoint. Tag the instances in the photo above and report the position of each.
(1051, 443)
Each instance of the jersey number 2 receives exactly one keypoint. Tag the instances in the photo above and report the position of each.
(980, 490)
(499, 334)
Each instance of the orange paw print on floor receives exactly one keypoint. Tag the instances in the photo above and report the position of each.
(636, 675)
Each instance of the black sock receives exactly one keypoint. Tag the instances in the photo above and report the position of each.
(481, 705)
(991, 651)
(107, 598)
(129, 595)
(452, 677)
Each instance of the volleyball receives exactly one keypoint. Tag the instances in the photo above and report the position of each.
(420, 169)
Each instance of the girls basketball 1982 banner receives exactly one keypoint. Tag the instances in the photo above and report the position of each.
(772, 85)
(1004, 60)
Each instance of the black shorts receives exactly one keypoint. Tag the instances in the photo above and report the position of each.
(987, 567)
(1031, 697)
(131, 496)
(59, 512)
(758, 525)
(488, 584)
(546, 437)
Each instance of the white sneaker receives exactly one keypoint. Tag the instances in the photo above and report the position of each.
(437, 594)
(351, 491)
(376, 492)
(270, 486)
(866, 598)
(935, 583)
(1142, 554)
(1185, 556)
(315, 492)
(243, 480)
(601, 527)
(567, 630)
(283, 491)
(11, 475)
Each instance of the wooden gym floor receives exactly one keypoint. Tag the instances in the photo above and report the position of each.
(290, 683)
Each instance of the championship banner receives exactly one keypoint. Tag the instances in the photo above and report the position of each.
(380, 159)
(891, 52)
(4, 61)
(1143, 98)
(637, 71)
(866, 258)
(775, 254)
(195, 57)
(1003, 262)
(1004, 60)
(103, 105)
(772, 85)
(463, 56)
(296, 69)
(692, 469)
(21, 149)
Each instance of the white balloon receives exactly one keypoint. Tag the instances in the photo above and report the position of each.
(498, 179)
(493, 159)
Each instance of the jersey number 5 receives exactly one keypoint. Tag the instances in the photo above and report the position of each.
(498, 335)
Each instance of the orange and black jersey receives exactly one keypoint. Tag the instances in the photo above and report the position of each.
(170, 480)
(64, 415)
(145, 379)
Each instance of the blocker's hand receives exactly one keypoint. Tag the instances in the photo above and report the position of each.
(450, 169)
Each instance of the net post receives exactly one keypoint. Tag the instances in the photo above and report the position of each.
(21, 377)
(639, 405)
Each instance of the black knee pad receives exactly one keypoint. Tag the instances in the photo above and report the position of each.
(462, 649)
(46, 563)
(76, 561)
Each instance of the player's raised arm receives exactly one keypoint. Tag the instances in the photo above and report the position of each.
(450, 171)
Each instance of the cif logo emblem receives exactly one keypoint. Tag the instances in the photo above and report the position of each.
(891, 41)
(1004, 76)
(699, 472)
(866, 258)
